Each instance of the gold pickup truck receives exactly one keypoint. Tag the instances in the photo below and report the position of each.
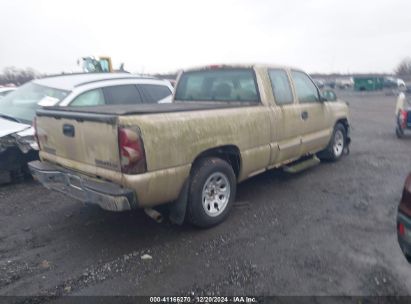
(226, 123)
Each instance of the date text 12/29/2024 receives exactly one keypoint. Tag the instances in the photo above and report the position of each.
(205, 299)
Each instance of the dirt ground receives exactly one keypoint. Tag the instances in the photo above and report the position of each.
(330, 230)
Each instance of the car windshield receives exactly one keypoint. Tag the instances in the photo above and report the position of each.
(23, 103)
(218, 85)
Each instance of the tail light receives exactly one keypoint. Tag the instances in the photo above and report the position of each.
(403, 119)
(36, 137)
(132, 155)
(39, 134)
(401, 229)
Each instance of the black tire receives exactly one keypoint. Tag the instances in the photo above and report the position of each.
(399, 132)
(406, 255)
(329, 153)
(202, 171)
(18, 175)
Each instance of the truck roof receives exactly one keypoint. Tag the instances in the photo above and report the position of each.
(69, 81)
(239, 66)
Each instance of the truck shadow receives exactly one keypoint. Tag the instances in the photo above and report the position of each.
(102, 226)
(95, 230)
(56, 228)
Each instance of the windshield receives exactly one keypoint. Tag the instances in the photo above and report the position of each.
(23, 103)
(218, 85)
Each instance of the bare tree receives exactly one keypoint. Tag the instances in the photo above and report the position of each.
(13, 75)
(403, 69)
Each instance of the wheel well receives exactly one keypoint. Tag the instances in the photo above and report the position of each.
(229, 153)
(344, 122)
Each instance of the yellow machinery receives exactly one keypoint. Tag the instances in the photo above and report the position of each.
(91, 64)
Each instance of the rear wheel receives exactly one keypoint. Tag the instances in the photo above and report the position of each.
(212, 192)
(336, 146)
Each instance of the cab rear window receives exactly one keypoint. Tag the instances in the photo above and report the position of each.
(224, 85)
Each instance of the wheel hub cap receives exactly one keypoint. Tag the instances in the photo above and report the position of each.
(216, 194)
(338, 146)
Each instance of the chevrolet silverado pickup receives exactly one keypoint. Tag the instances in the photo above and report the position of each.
(226, 123)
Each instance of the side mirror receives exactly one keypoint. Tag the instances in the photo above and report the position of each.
(328, 95)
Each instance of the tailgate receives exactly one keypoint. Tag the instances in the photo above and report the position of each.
(88, 139)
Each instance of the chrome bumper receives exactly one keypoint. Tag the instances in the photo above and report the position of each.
(107, 195)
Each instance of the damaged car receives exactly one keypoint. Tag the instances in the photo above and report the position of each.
(17, 110)
(17, 143)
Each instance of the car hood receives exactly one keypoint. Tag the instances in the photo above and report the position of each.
(8, 127)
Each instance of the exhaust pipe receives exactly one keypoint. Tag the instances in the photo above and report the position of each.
(154, 214)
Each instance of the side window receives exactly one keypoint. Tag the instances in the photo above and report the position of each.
(153, 92)
(122, 94)
(281, 86)
(89, 98)
(306, 89)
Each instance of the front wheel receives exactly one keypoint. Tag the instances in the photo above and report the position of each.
(212, 192)
(336, 146)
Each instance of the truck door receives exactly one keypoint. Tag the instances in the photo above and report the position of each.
(314, 114)
(286, 121)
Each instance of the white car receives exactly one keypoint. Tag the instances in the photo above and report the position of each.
(344, 83)
(401, 83)
(17, 109)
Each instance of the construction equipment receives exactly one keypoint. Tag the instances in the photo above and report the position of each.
(91, 64)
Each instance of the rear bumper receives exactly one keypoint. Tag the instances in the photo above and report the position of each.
(107, 195)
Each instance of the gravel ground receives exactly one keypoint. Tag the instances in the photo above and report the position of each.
(327, 231)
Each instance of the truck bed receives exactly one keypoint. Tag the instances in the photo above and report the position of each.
(109, 112)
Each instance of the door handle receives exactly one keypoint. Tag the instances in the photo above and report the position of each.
(304, 115)
(69, 130)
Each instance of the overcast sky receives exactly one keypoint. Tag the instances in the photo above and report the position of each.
(163, 36)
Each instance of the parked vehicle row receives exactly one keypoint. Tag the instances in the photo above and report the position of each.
(341, 82)
(17, 110)
(224, 125)
(362, 83)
